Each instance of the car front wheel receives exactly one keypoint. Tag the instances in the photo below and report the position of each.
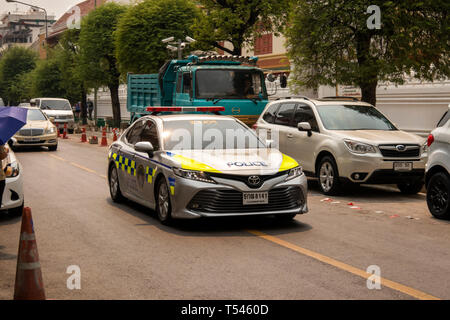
(114, 187)
(328, 176)
(438, 195)
(163, 205)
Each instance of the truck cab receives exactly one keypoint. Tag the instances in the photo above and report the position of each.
(234, 83)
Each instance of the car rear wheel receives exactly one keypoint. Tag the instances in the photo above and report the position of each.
(438, 196)
(411, 187)
(114, 187)
(328, 176)
(163, 205)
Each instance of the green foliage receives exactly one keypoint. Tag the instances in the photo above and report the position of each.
(138, 37)
(48, 80)
(331, 44)
(238, 21)
(98, 63)
(14, 62)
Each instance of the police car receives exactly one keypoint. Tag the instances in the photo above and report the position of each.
(201, 165)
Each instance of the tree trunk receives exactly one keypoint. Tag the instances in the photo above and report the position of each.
(83, 106)
(114, 89)
(369, 92)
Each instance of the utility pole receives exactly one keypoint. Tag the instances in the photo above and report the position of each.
(95, 89)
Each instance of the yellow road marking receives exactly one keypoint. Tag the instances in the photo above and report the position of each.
(56, 157)
(79, 166)
(343, 266)
(82, 168)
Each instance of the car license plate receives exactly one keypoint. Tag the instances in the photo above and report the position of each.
(31, 139)
(250, 198)
(403, 166)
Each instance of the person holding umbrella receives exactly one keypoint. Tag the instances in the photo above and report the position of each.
(11, 120)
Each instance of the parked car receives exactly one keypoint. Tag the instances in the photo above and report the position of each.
(59, 109)
(344, 141)
(13, 198)
(147, 165)
(438, 169)
(39, 131)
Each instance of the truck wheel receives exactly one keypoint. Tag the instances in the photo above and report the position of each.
(163, 205)
(411, 187)
(114, 187)
(438, 196)
(328, 176)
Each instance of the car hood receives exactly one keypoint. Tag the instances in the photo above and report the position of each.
(378, 137)
(53, 113)
(38, 125)
(239, 162)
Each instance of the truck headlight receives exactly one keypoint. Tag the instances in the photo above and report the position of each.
(359, 147)
(193, 175)
(294, 173)
(12, 169)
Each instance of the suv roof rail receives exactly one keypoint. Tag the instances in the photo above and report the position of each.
(293, 97)
(339, 98)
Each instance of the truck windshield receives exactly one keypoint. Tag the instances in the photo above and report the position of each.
(55, 105)
(208, 135)
(229, 84)
(353, 117)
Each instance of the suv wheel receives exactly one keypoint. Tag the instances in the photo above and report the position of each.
(328, 176)
(411, 187)
(438, 195)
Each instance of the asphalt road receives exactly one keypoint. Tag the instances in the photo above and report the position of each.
(125, 253)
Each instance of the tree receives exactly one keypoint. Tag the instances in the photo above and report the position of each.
(330, 42)
(238, 22)
(15, 62)
(98, 62)
(142, 28)
(48, 80)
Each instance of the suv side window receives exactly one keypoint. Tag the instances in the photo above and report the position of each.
(304, 113)
(150, 134)
(444, 119)
(186, 82)
(269, 116)
(134, 135)
(180, 77)
(285, 114)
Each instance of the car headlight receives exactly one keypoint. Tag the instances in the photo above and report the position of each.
(50, 130)
(294, 173)
(359, 147)
(193, 175)
(424, 147)
(12, 170)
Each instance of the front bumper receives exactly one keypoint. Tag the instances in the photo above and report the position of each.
(13, 194)
(376, 169)
(39, 141)
(185, 191)
(61, 122)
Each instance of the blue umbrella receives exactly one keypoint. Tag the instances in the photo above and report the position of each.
(11, 120)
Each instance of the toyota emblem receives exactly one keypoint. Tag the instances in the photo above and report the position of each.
(400, 148)
(254, 180)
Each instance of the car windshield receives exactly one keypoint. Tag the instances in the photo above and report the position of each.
(35, 115)
(353, 117)
(229, 84)
(208, 135)
(55, 105)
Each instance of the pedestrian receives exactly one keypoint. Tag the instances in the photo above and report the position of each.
(77, 110)
(3, 154)
(90, 108)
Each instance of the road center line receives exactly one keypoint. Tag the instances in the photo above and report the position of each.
(79, 166)
(343, 266)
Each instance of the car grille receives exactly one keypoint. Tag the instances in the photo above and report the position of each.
(31, 132)
(244, 179)
(391, 151)
(230, 201)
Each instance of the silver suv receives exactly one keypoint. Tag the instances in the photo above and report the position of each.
(58, 109)
(438, 169)
(344, 141)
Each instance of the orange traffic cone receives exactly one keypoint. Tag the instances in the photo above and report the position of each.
(29, 284)
(65, 132)
(104, 140)
(115, 135)
(83, 136)
(57, 128)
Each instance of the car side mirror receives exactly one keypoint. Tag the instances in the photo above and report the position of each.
(305, 126)
(144, 147)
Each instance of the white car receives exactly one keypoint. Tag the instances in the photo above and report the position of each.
(13, 198)
(438, 169)
(58, 109)
(345, 141)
